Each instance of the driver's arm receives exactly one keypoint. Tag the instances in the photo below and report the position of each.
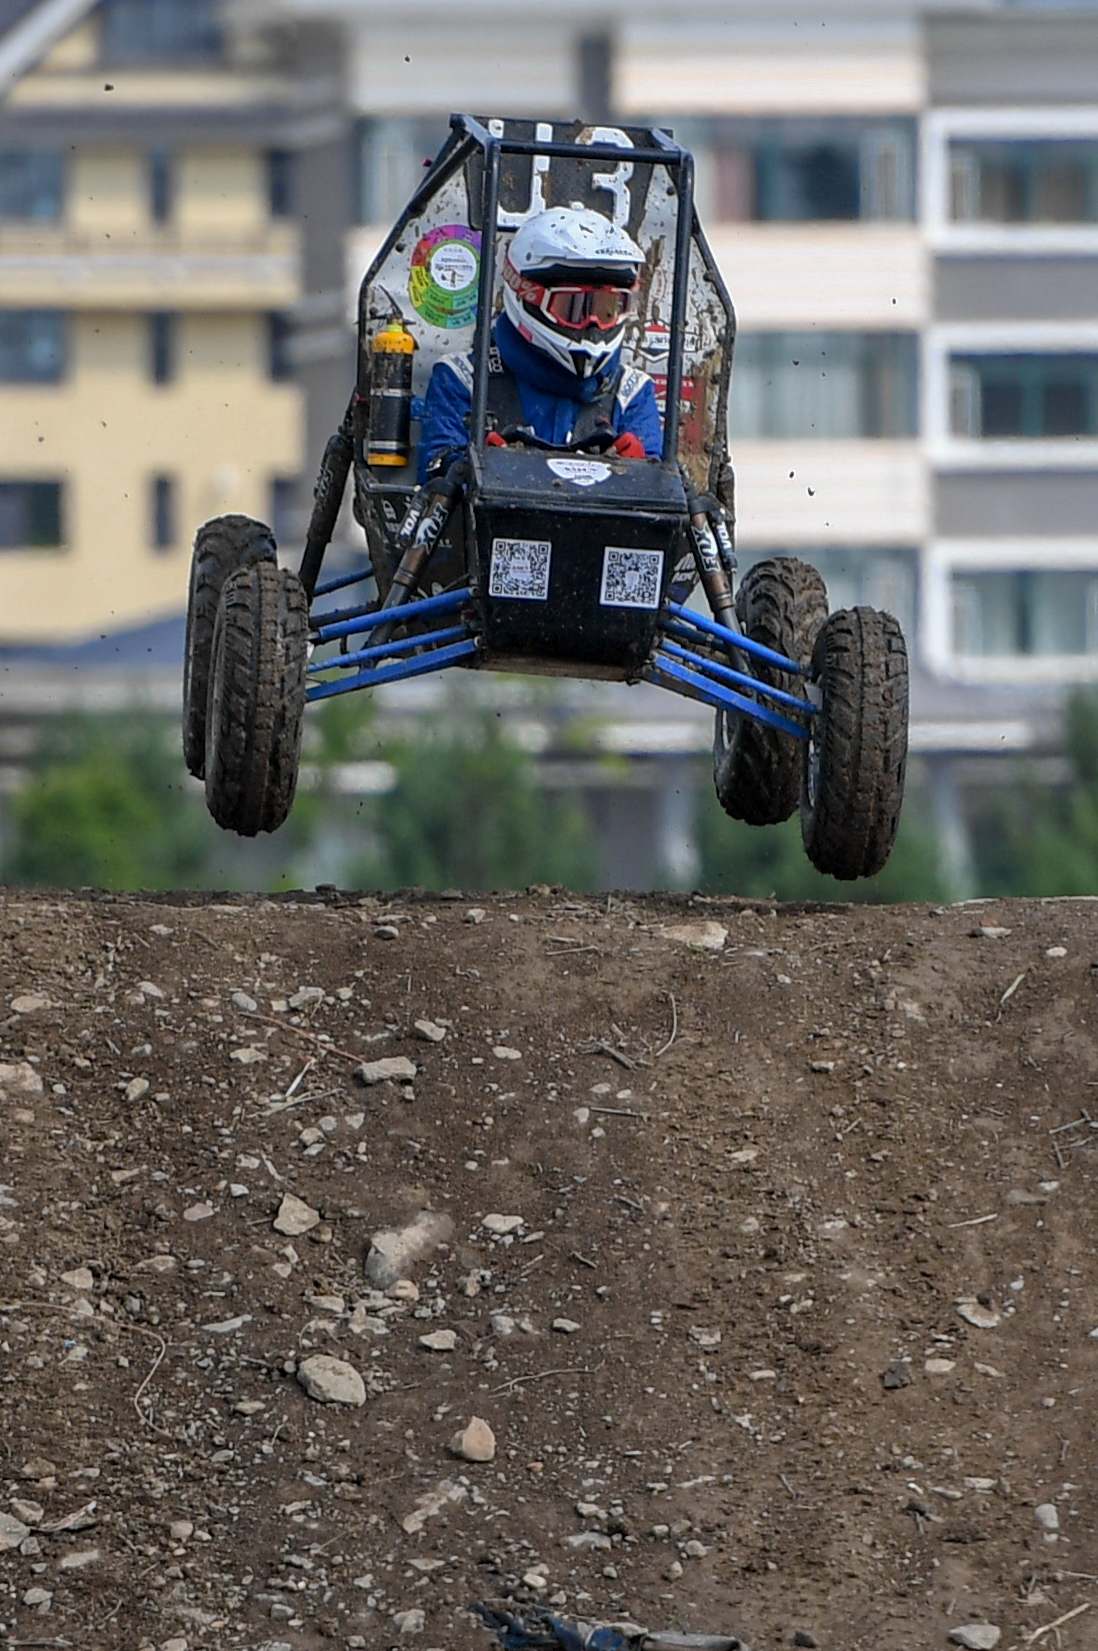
(637, 413)
(445, 429)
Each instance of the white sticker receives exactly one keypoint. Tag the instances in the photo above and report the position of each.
(584, 472)
(520, 569)
(631, 578)
(454, 266)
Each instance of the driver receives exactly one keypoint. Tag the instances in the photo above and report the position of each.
(568, 279)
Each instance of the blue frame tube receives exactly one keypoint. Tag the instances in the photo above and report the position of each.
(342, 582)
(736, 679)
(384, 650)
(702, 623)
(421, 665)
(667, 673)
(427, 606)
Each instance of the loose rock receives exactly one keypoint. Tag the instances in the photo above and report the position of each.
(394, 1252)
(295, 1217)
(976, 1636)
(332, 1381)
(475, 1442)
(392, 1067)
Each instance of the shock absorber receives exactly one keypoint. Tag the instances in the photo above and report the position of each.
(714, 567)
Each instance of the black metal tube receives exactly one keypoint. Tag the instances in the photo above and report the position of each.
(482, 337)
(327, 498)
(684, 224)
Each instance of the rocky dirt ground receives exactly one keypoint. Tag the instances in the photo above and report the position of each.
(762, 1241)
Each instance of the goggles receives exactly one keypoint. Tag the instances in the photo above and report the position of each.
(581, 307)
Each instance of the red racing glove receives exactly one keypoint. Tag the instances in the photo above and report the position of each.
(629, 446)
(494, 439)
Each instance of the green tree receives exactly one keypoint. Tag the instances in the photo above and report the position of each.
(770, 860)
(107, 805)
(1040, 840)
(467, 812)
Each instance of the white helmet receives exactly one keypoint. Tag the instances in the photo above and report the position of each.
(567, 277)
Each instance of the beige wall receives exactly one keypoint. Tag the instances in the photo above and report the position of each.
(222, 430)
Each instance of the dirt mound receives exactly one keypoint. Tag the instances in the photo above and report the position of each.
(765, 1251)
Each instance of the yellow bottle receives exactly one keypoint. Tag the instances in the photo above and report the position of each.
(389, 440)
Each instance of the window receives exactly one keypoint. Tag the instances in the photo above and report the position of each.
(1025, 612)
(143, 31)
(1024, 395)
(279, 336)
(835, 385)
(30, 515)
(31, 184)
(280, 182)
(391, 155)
(32, 346)
(162, 346)
(161, 180)
(284, 509)
(802, 170)
(163, 514)
(1024, 181)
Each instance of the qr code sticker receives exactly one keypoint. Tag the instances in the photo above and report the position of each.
(631, 578)
(520, 569)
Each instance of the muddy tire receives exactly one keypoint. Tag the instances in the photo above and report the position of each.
(220, 545)
(856, 758)
(257, 698)
(781, 603)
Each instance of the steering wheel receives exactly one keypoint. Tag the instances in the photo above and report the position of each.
(599, 441)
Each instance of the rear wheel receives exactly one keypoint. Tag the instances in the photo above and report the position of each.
(856, 756)
(257, 699)
(220, 545)
(782, 603)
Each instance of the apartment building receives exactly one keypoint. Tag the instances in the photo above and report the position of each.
(149, 263)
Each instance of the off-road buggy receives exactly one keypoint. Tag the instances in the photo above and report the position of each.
(523, 558)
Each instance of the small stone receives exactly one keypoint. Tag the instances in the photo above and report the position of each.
(80, 1278)
(475, 914)
(136, 1089)
(12, 1532)
(978, 1313)
(248, 1054)
(19, 1078)
(405, 1289)
(939, 1367)
(37, 1596)
(501, 1225)
(387, 931)
(392, 1067)
(394, 1251)
(306, 996)
(1056, 951)
(565, 1327)
(503, 1053)
(439, 1341)
(148, 989)
(990, 931)
(976, 1636)
(802, 1638)
(705, 1338)
(241, 1000)
(429, 1031)
(409, 1622)
(432, 1502)
(1047, 1516)
(226, 1327)
(295, 1216)
(198, 1212)
(31, 1513)
(475, 1442)
(79, 1560)
(332, 1381)
(581, 1540)
(29, 1003)
(700, 937)
(743, 1155)
(897, 1375)
(181, 1530)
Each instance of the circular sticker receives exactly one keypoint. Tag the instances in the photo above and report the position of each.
(445, 275)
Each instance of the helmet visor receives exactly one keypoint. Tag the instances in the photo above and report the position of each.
(580, 307)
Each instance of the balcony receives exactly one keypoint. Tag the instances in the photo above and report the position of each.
(60, 267)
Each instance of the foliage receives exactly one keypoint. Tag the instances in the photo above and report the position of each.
(467, 812)
(107, 805)
(770, 861)
(1038, 840)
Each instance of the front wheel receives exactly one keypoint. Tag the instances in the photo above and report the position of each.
(856, 755)
(257, 698)
(220, 545)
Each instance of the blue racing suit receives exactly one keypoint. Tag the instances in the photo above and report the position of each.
(552, 399)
